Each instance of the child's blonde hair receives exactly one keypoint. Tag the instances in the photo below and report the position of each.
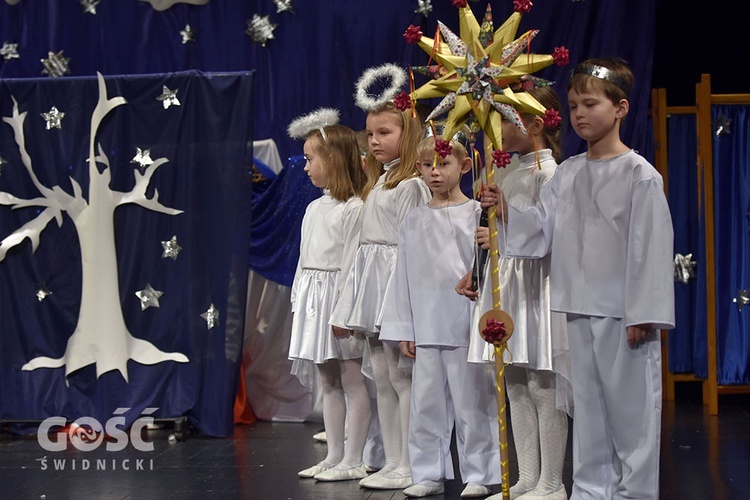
(411, 132)
(427, 146)
(339, 155)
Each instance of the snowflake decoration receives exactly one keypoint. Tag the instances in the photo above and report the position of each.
(424, 8)
(283, 6)
(56, 64)
(9, 51)
(53, 118)
(168, 97)
(260, 29)
(142, 157)
(211, 316)
(89, 6)
(171, 248)
(187, 34)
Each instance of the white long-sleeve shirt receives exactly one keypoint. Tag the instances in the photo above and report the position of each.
(608, 226)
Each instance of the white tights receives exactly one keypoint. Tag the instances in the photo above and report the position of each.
(344, 386)
(393, 386)
(540, 430)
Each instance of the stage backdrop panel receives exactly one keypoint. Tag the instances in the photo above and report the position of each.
(124, 219)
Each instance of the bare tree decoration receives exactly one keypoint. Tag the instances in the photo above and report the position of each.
(101, 336)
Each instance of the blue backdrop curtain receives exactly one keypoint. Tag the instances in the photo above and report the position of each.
(687, 342)
(731, 160)
(205, 140)
(318, 51)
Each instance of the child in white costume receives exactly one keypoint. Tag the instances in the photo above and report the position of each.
(330, 229)
(605, 219)
(538, 378)
(435, 248)
(392, 139)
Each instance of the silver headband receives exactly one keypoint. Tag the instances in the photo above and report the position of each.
(605, 74)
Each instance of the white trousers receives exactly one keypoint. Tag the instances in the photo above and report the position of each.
(617, 416)
(446, 388)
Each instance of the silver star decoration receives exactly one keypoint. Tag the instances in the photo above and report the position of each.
(211, 316)
(260, 29)
(9, 51)
(283, 6)
(425, 7)
(684, 267)
(3, 162)
(56, 64)
(168, 97)
(53, 118)
(721, 125)
(89, 6)
(142, 157)
(171, 248)
(742, 298)
(42, 292)
(187, 34)
(149, 297)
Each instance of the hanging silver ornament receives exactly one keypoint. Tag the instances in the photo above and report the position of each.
(211, 316)
(742, 298)
(260, 29)
(171, 248)
(56, 64)
(424, 7)
(142, 158)
(53, 118)
(187, 34)
(9, 51)
(684, 267)
(168, 97)
(149, 297)
(89, 6)
(283, 6)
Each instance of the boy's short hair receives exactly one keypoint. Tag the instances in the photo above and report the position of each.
(459, 142)
(611, 75)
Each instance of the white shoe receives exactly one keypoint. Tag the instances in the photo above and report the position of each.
(315, 469)
(320, 437)
(558, 494)
(424, 489)
(387, 481)
(342, 474)
(474, 490)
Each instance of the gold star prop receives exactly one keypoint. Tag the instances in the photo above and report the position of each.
(483, 74)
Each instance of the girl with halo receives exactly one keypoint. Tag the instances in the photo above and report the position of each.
(393, 136)
(330, 232)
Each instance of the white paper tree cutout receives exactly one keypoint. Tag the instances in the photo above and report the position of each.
(101, 336)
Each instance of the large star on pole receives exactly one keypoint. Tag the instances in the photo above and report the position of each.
(484, 74)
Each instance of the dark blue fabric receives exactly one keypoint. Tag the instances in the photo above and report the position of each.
(731, 160)
(687, 342)
(205, 140)
(318, 52)
(278, 208)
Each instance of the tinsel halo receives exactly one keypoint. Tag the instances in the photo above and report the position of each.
(321, 117)
(388, 71)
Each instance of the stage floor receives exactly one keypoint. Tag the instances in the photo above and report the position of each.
(703, 457)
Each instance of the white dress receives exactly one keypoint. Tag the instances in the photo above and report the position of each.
(330, 231)
(363, 296)
(539, 339)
